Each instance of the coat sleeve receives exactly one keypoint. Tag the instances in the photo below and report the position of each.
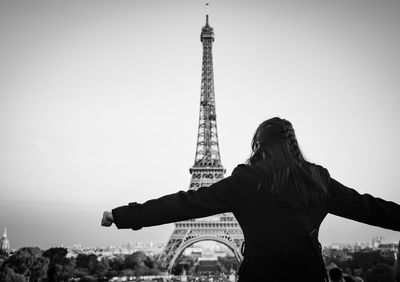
(225, 195)
(348, 203)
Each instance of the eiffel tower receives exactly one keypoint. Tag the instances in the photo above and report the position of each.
(207, 169)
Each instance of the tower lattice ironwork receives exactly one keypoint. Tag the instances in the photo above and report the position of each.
(207, 169)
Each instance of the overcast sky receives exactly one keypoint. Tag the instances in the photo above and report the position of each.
(99, 104)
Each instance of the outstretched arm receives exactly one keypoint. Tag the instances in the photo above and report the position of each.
(348, 203)
(223, 196)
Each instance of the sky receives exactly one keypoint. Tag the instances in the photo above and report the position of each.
(99, 104)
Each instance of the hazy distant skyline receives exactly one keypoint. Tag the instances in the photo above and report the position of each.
(99, 104)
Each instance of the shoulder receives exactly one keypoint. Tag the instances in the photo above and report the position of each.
(320, 172)
(244, 170)
(245, 175)
(246, 181)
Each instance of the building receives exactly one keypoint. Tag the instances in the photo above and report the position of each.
(207, 170)
(4, 242)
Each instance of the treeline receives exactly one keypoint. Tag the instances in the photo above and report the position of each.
(371, 266)
(32, 264)
(190, 266)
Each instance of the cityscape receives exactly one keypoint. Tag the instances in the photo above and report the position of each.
(205, 261)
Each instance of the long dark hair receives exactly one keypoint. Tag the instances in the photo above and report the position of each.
(276, 154)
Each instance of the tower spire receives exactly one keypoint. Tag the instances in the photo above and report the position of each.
(5, 232)
(207, 12)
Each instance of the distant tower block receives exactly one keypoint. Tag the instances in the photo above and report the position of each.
(207, 169)
(4, 242)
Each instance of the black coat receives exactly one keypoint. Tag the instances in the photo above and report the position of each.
(276, 243)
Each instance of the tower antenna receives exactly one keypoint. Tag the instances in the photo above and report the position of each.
(207, 12)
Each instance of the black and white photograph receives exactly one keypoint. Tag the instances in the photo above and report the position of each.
(207, 141)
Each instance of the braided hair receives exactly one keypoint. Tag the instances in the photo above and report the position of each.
(277, 155)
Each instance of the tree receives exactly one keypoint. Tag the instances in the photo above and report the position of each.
(3, 256)
(7, 274)
(128, 272)
(60, 268)
(57, 255)
(396, 267)
(137, 259)
(39, 269)
(228, 263)
(141, 264)
(102, 268)
(117, 263)
(380, 273)
(54, 272)
(85, 264)
(29, 262)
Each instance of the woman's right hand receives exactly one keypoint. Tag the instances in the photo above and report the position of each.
(107, 219)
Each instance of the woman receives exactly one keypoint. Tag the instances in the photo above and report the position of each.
(277, 198)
